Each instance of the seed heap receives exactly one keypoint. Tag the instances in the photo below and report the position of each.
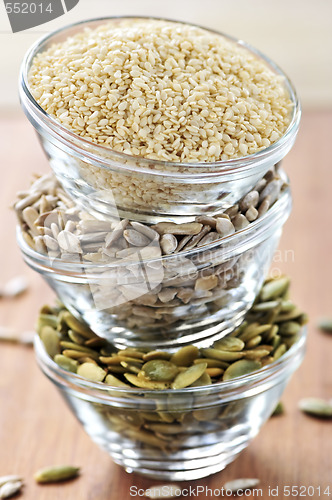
(162, 90)
(170, 421)
(143, 295)
(52, 223)
(271, 327)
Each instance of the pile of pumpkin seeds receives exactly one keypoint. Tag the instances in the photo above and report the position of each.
(168, 422)
(270, 328)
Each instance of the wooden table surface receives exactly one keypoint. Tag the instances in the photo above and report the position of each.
(37, 429)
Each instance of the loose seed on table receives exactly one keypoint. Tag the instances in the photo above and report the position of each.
(241, 484)
(316, 407)
(56, 474)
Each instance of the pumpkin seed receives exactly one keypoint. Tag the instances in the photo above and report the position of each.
(274, 288)
(279, 410)
(229, 344)
(185, 356)
(145, 383)
(241, 368)
(66, 363)
(316, 407)
(51, 340)
(325, 324)
(160, 370)
(56, 474)
(115, 382)
(222, 355)
(189, 376)
(77, 326)
(289, 328)
(91, 372)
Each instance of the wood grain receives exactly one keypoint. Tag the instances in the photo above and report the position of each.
(37, 429)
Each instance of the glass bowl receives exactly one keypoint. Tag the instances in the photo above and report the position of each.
(117, 184)
(180, 435)
(210, 288)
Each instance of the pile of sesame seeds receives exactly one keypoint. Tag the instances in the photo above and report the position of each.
(162, 90)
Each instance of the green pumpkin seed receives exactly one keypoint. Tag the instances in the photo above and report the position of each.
(212, 363)
(66, 363)
(75, 354)
(185, 356)
(51, 340)
(289, 328)
(206, 415)
(115, 382)
(214, 372)
(56, 474)
(159, 369)
(77, 326)
(265, 306)
(229, 344)
(157, 355)
(241, 368)
(46, 320)
(91, 372)
(76, 337)
(165, 428)
(145, 383)
(256, 353)
(325, 324)
(316, 407)
(189, 376)
(204, 379)
(279, 410)
(281, 349)
(287, 316)
(255, 341)
(274, 288)
(222, 355)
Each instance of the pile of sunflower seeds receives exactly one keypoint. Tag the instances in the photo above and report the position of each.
(139, 289)
(53, 224)
(271, 327)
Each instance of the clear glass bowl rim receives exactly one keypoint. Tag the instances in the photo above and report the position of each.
(227, 389)
(169, 169)
(272, 219)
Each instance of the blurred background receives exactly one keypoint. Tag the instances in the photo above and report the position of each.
(296, 34)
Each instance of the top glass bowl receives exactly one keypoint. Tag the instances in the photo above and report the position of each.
(116, 184)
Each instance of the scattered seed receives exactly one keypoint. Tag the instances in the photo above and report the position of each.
(10, 478)
(241, 484)
(325, 324)
(10, 488)
(316, 407)
(56, 474)
(14, 287)
(279, 410)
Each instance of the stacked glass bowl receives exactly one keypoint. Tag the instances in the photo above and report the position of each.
(162, 256)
